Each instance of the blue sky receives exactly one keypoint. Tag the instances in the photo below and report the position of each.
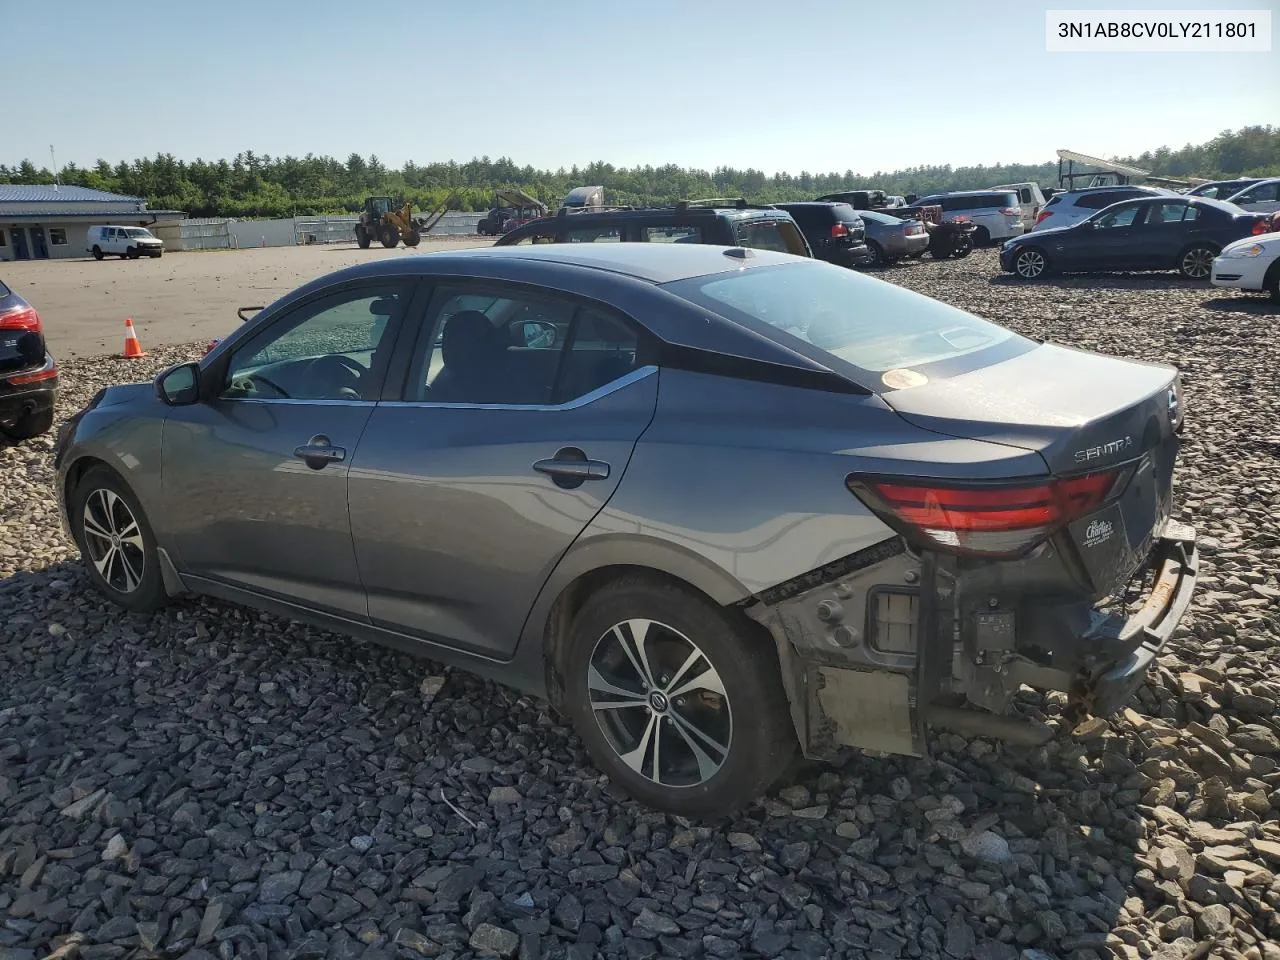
(773, 84)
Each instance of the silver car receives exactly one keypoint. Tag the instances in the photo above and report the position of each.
(715, 504)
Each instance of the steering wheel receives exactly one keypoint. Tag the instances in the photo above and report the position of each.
(333, 377)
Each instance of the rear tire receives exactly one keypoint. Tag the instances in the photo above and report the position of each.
(116, 542)
(711, 733)
(33, 424)
(97, 252)
(362, 237)
(1196, 262)
(877, 254)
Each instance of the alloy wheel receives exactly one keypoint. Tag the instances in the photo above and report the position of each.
(1197, 263)
(113, 540)
(660, 703)
(1030, 264)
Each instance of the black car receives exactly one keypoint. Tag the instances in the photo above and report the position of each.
(835, 231)
(28, 374)
(1161, 233)
(728, 223)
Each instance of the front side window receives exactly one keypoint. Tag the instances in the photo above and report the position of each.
(517, 348)
(327, 349)
(535, 238)
(1263, 193)
(871, 325)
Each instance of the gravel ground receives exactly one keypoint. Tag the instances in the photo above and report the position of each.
(210, 782)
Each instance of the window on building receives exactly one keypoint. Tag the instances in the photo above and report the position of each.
(58, 236)
(2, 238)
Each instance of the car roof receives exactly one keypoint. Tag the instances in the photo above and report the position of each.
(652, 262)
(971, 193)
(1107, 188)
(1228, 208)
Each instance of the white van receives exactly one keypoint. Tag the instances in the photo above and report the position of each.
(131, 242)
(1030, 199)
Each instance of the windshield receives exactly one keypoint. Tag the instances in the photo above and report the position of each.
(876, 217)
(867, 323)
(136, 232)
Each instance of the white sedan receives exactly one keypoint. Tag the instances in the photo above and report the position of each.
(1250, 264)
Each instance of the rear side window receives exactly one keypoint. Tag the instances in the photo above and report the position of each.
(673, 234)
(600, 234)
(1104, 198)
(990, 201)
(871, 325)
(779, 235)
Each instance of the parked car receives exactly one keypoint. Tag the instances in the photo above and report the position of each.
(130, 242)
(777, 546)
(834, 231)
(28, 373)
(1222, 189)
(1163, 233)
(1251, 263)
(1030, 200)
(1262, 197)
(728, 223)
(890, 238)
(1071, 206)
(995, 214)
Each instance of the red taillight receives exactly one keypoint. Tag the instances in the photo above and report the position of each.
(839, 230)
(20, 318)
(36, 377)
(1012, 211)
(1260, 227)
(1003, 520)
(1043, 215)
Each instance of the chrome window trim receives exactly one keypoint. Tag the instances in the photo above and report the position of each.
(626, 380)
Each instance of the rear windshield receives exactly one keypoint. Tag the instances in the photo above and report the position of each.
(780, 235)
(869, 324)
(876, 216)
(845, 213)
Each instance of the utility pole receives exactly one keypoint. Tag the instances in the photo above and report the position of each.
(54, 161)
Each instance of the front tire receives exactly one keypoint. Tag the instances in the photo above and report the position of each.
(362, 238)
(981, 237)
(1030, 263)
(678, 703)
(1196, 262)
(412, 239)
(116, 542)
(131, 253)
(389, 236)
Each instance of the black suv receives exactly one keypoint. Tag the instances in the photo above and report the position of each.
(28, 374)
(835, 231)
(728, 223)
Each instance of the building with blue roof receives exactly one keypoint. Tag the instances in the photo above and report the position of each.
(39, 221)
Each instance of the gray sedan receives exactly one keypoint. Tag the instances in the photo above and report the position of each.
(889, 238)
(715, 504)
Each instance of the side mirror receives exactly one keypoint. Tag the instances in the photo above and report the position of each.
(179, 386)
(534, 334)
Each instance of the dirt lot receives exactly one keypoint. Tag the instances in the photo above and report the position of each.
(180, 298)
(211, 783)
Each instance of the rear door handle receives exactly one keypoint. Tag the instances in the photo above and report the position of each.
(577, 470)
(318, 452)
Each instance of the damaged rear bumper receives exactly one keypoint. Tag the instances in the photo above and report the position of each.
(872, 646)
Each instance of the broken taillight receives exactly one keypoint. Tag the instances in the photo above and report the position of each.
(996, 520)
(20, 318)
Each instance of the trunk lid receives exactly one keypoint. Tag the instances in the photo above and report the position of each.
(1082, 413)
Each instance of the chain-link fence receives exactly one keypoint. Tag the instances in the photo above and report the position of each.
(209, 233)
(342, 229)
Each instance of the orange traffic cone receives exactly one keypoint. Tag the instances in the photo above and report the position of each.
(132, 348)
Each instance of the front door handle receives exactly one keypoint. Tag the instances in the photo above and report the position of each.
(570, 467)
(318, 452)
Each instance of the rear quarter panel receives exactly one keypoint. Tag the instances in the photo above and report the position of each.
(748, 479)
